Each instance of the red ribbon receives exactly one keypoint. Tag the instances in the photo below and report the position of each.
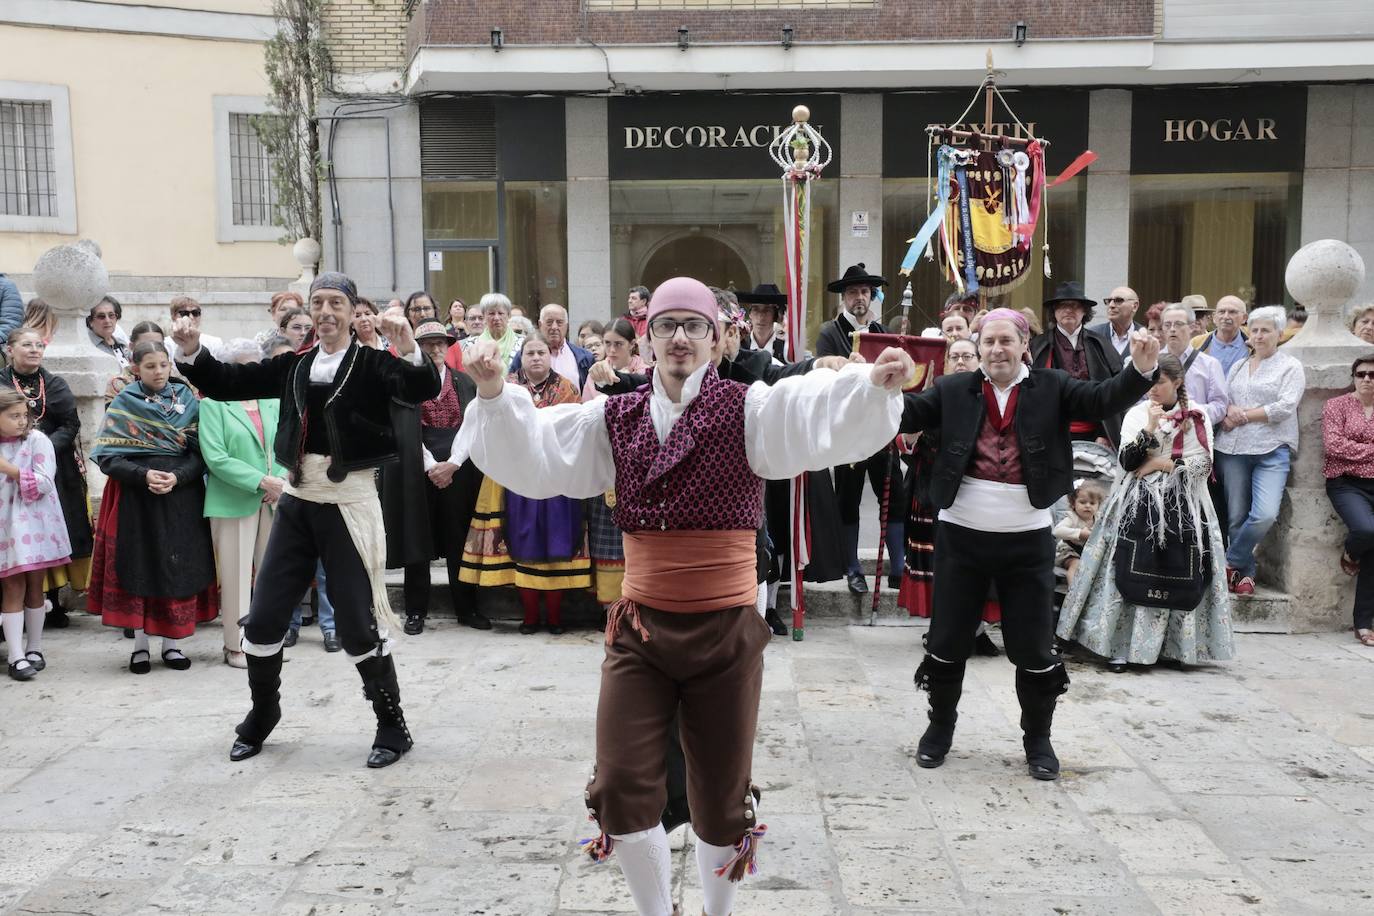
(1085, 159)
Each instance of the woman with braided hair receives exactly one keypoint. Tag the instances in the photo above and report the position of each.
(1166, 453)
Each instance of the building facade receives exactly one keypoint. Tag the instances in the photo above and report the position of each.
(129, 123)
(565, 150)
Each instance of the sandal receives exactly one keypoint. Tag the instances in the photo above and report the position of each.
(175, 659)
(1366, 637)
(1349, 566)
(143, 666)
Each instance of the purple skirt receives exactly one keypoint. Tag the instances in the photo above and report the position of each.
(540, 530)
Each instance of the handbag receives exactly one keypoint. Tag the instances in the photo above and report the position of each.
(1162, 565)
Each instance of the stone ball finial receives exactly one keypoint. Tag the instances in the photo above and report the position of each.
(90, 245)
(71, 278)
(306, 252)
(1323, 275)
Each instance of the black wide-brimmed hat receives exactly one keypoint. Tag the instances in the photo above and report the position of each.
(1069, 291)
(764, 294)
(857, 275)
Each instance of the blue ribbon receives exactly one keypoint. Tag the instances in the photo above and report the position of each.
(936, 217)
(966, 229)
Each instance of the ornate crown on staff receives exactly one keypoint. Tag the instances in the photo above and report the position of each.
(801, 152)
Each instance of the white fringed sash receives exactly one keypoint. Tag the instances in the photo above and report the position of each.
(356, 497)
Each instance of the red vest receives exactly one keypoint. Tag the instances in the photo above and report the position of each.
(997, 455)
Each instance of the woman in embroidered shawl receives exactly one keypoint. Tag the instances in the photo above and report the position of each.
(153, 568)
(537, 545)
(1166, 453)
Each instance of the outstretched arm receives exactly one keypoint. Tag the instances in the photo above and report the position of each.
(237, 381)
(824, 418)
(1099, 400)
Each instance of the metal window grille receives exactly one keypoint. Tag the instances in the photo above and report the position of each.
(28, 175)
(250, 174)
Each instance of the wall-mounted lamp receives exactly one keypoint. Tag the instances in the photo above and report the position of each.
(1018, 33)
(498, 40)
(787, 35)
(684, 38)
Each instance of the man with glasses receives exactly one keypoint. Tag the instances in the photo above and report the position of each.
(184, 307)
(1121, 308)
(686, 456)
(1203, 377)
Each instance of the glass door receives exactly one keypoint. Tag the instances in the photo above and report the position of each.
(467, 273)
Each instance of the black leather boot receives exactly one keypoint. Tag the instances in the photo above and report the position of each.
(775, 622)
(379, 686)
(945, 683)
(264, 685)
(1038, 694)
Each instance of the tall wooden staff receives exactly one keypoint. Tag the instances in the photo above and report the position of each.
(801, 152)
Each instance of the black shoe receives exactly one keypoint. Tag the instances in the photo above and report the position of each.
(175, 659)
(1037, 694)
(857, 584)
(415, 625)
(56, 619)
(775, 622)
(140, 667)
(331, 641)
(945, 683)
(1041, 761)
(128, 632)
(382, 757)
(475, 619)
(242, 750)
(1116, 666)
(527, 628)
(291, 636)
(895, 582)
(36, 659)
(556, 630)
(23, 670)
(983, 645)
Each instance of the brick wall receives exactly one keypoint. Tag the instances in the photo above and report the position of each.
(469, 22)
(366, 35)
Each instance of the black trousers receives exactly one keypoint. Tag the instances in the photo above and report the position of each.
(302, 534)
(1021, 565)
(463, 594)
(1353, 500)
(849, 486)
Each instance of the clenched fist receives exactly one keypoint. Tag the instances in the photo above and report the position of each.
(186, 335)
(396, 329)
(601, 373)
(487, 368)
(892, 369)
(1144, 351)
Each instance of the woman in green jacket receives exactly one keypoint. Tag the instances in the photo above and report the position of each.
(243, 486)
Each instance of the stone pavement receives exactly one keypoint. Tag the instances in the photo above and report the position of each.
(1239, 788)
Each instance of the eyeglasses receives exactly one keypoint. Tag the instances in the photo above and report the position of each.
(103, 316)
(694, 328)
(421, 308)
(1364, 374)
(963, 357)
(1117, 300)
(1166, 325)
(184, 313)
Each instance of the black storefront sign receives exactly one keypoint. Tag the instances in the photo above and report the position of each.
(1179, 131)
(1057, 115)
(709, 136)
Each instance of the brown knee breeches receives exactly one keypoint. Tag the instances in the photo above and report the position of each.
(712, 665)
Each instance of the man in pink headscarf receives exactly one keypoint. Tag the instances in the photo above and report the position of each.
(1005, 458)
(686, 456)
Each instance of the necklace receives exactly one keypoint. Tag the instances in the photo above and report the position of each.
(36, 394)
(172, 407)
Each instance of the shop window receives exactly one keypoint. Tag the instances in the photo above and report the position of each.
(1214, 234)
(460, 210)
(724, 233)
(905, 205)
(536, 255)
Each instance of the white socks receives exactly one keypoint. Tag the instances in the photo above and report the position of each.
(718, 893)
(140, 641)
(33, 625)
(13, 626)
(646, 862)
(170, 645)
(773, 595)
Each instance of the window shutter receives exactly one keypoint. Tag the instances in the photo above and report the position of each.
(458, 139)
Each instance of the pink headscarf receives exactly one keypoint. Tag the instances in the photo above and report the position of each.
(1015, 317)
(685, 294)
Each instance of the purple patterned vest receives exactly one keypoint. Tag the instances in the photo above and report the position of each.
(699, 480)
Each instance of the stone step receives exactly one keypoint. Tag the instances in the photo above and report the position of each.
(1266, 611)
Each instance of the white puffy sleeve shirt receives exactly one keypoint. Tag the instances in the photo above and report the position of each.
(803, 423)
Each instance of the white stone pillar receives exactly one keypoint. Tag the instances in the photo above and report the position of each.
(861, 189)
(590, 292)
(1107, 246)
